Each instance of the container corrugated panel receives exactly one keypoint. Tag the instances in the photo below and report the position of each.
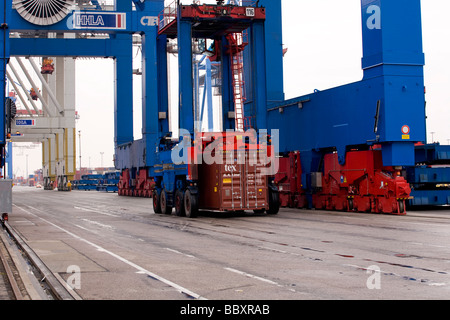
(236, 184)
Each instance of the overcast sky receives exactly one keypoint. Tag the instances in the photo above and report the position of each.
(324, 44)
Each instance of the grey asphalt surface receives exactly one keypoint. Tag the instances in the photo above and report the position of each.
(111, 247)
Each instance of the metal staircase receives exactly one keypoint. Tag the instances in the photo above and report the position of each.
(236, 46)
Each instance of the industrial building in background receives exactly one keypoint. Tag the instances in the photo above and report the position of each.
(347, 148)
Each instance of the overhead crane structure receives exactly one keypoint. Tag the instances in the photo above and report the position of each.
(342, 147)
(58, 29)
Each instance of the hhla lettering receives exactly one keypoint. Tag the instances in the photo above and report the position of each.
(90, 20)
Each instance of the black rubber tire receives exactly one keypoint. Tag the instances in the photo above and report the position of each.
(190, 204)
(401, 206)
(274, 202)
(165, 208)
(351, 205)
(156, 203)
(179, 203)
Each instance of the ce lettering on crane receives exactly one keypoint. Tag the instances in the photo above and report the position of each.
(149, 21)
(374, 20)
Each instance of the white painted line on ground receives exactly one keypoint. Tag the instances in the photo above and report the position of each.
(252, 276)
(96, 211)
(178, 252)
(132, 264)
(86, 229)
(106, 226)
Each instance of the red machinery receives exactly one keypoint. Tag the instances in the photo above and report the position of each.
(33, 94)
(361, 185)
(141, 186)
(47, 66)
(288, 179)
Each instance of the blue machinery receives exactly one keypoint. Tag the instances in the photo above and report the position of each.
(385, 109)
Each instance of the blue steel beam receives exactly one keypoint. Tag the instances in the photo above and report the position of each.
(259, 79)
(5, 11)
(123, 93)
(132, 22)
(185, 74)
(273, 41)
(258, 75)
(154, 86)
(227, 92)
(43, 47)
(269, 43)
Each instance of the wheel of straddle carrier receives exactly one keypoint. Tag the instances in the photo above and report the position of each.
(401, 206)
(156, 203)
(190, 204)
(274, 201)
(179, 203)
(350, 205)
(165, 207)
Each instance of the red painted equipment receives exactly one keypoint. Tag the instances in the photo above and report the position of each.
(141, 186)
(361, 185)
(124, 184)
(144, 185)
(289, 182)
(33, 94)
(205, 14)
(236, 46)
(47, 66)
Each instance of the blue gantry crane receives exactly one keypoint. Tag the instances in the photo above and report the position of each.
(341, 149)
(150, 158)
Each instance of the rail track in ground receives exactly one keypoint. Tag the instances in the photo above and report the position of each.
(13, 286)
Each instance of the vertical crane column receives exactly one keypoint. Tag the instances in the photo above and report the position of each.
(227, 93)
(155, 109)
(123, 79)
(263, 61)
(185, 72)
(58, 87)
(259, 84)
(65, 93)
(273, 40)
(393, 50)
(59, 159)
(50, 146)
(5, 10)
(49, 162)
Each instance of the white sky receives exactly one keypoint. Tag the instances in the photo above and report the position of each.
(325, 50)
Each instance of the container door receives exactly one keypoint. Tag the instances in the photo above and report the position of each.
(232, 186)
(255, 184)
